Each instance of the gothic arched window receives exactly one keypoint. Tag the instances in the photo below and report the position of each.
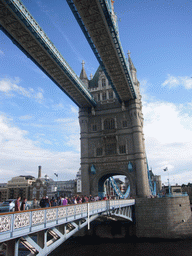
(109, 124)
(104, 96)
(103, 82)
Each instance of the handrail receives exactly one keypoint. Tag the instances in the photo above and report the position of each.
(16, 224)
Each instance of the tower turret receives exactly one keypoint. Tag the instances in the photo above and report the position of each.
(83, 75)
(132, 68)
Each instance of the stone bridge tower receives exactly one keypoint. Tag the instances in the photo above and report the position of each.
(112, 140)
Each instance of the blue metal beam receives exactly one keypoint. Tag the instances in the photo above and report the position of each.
(86, 33)
(23, 15)
(106, 8)
(113, 29)
(117, 190)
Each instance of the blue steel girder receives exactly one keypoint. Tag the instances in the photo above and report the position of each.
(94, 49)
(117, 189)
(96, 21)
(19, 25)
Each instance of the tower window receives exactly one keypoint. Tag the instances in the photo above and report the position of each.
(98, 96)
(99, 151)
(124, 123)
(103, 82)
(94, 127)
(109, 124)
(110, 149)
(122, 149)
(110, 95)
(104, 96)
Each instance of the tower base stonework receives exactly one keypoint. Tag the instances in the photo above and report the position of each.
(167, 217)
(112, 139)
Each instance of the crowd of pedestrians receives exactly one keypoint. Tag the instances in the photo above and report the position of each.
(20, 206)
(59, 201)
(62, 201)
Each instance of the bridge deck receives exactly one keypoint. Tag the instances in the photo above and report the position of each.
(17, 23)
(19, 224)
(101, 28)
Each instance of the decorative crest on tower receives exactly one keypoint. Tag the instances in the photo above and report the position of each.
(131, 66)
(83, 75)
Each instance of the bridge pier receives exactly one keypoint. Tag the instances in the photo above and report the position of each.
(163, 217)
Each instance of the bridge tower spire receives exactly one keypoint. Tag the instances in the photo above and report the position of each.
(83, 75)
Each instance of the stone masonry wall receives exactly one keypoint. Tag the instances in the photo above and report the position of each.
(158, 217)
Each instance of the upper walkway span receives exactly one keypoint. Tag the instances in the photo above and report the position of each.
(59, 223)
(97, 21)
(19, 25)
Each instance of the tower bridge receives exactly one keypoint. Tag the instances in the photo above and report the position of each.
(113, 94)
(111, 123)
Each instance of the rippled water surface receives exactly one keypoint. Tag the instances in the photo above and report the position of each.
(95, 246)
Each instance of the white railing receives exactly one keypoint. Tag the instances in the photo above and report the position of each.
(18, 224)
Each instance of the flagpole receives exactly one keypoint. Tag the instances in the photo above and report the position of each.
(166, 169)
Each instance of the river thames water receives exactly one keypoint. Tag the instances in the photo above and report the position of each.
(88, 246)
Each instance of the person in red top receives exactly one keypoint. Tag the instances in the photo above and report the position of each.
(17, 204)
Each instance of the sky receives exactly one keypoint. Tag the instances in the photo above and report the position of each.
(39, 123)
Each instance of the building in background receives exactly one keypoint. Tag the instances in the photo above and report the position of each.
(48, 187)
(3, 192)
(78, 180)
(40, 187)
(63, 188)
(20, 186)
(109, 191)
(174, 190)
(188, 189)
(157, 180)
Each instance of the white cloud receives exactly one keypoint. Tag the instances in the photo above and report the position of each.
(70, 128)
(20, 154)
(173, 82)
(74, 110)
(58, 106)
(168, 138)
(9, 87)
(39, 97)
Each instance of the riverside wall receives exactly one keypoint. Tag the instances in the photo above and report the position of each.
(167, 217)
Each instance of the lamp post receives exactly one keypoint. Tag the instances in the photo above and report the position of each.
(56, 174)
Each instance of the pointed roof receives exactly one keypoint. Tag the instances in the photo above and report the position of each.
(93, 83)
(83, 74)
(131, 66)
